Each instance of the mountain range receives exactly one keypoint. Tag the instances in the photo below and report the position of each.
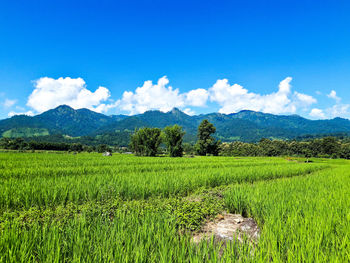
(245, 125)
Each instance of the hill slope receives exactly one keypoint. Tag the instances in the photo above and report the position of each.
(63, 120)
(245, 125)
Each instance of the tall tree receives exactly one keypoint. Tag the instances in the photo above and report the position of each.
(330, 146)
(206, 144)
(146, 141)
(173, 137)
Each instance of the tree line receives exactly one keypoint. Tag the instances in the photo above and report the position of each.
(22, 145)
(328, 147)
(146, 141)
(154, 141)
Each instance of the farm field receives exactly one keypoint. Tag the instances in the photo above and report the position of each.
(89, 208)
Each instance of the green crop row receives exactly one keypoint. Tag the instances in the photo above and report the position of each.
(89, 208)
(59, 185)
(304, 219)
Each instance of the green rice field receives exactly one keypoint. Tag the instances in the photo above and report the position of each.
(58, 207)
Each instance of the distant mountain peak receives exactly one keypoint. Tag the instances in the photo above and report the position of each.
(63, 107)
(246, 125)
(175, 111)
(247, 111)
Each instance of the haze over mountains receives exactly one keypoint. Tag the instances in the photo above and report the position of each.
(245, 125)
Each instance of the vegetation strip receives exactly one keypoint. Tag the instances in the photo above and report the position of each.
(150, 215)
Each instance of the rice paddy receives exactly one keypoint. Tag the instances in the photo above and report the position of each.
(90, 208)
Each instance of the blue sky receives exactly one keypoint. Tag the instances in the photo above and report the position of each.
(283, 57)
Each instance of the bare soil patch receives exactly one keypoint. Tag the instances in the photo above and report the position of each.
(227, 227)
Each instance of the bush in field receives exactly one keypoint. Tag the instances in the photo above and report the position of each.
(345, 151)
(330, 146)
(13, 144)
(146, 141)
(240, 149)
(188, 148)
(76, 147)
(103, 148)
(173, 137)
(4, 142)
(270, 148)
(206, 144)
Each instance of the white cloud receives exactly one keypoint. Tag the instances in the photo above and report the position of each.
(151, 96)
(188, 111)
(161, 96)
(197, 97)
(339, 110)
(317, 113)
(304, 99)
(28, 113)
(233, 98)
(333, 95)
(9, 103)
(50, 93)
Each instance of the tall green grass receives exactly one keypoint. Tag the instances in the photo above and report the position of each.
(89, 208)
(303, 219)
(41, 181)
